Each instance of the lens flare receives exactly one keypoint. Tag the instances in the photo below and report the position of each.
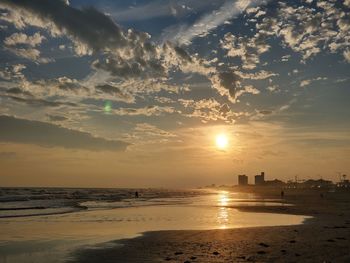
(107, 107)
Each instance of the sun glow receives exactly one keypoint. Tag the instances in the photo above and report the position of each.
(221, 141)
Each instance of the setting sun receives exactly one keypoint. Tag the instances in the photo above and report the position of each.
(221, 141)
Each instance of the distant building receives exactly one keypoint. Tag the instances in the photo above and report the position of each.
(260, 179)
(320, 183)
(344, 184)
(275, 183)
(242, 179)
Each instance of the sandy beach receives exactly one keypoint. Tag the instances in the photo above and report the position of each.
(324, 238)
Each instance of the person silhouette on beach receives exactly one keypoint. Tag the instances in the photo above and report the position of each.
(136, 194)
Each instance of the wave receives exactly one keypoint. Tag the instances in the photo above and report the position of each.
(23, 202)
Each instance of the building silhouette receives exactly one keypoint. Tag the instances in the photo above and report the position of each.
(275, 183)
(260, 179)
(242, 179)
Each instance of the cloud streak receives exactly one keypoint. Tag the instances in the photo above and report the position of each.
(183, 35)
(162, 8)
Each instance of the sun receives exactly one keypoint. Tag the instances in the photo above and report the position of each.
(221, 141)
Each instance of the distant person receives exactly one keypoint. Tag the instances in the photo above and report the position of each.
(136, 194)
(282, 194)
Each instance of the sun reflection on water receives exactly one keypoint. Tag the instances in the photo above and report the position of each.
(223, 198)
(223, 215)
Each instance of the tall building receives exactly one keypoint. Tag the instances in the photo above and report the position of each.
(242, 179)
(260, 179)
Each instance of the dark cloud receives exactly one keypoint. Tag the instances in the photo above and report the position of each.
(130, 69)
(115, 92)
(227, 83)
(88, 25)
(48, 135)
(228, 80)
(106, 88)
(116, 68)
(40, 102)
(18, 91)
(15, 91)
(183, 54)
(127, 53)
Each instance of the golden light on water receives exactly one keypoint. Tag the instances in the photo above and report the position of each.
(223, 198)
(223, 215)
(221, 141)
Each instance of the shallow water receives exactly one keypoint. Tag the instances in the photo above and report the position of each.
(51, 238)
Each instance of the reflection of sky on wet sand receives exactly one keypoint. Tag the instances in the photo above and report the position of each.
(33, 239)
(223, 217)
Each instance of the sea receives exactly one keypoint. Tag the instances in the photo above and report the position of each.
(52, 224)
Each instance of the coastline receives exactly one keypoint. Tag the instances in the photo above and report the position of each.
(324, 238)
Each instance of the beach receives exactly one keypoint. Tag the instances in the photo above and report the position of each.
(324, 238)
(226, 224)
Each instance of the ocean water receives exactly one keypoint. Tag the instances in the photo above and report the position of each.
(48, 225)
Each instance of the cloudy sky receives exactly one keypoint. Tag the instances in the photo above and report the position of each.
(115, 93)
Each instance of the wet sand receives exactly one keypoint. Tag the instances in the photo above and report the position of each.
(324, 238)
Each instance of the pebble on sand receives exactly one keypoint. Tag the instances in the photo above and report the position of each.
(263, 244)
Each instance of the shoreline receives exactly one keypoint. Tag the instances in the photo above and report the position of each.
(323, 238)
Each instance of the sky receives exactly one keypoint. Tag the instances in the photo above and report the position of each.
(114, 93)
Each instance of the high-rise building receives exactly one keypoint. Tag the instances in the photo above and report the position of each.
(260, 179)
(242, 179)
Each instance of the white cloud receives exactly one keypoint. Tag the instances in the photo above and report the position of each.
(152, 110)
(285, 58)
(262, 74)
(248, 49)
(23, 45)
(28, 53)
(247, 89)
(210, 110)
(305, 30)
(307, 82)
(260, 13)
(21, 38)
(184, 34)
(273, 88)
